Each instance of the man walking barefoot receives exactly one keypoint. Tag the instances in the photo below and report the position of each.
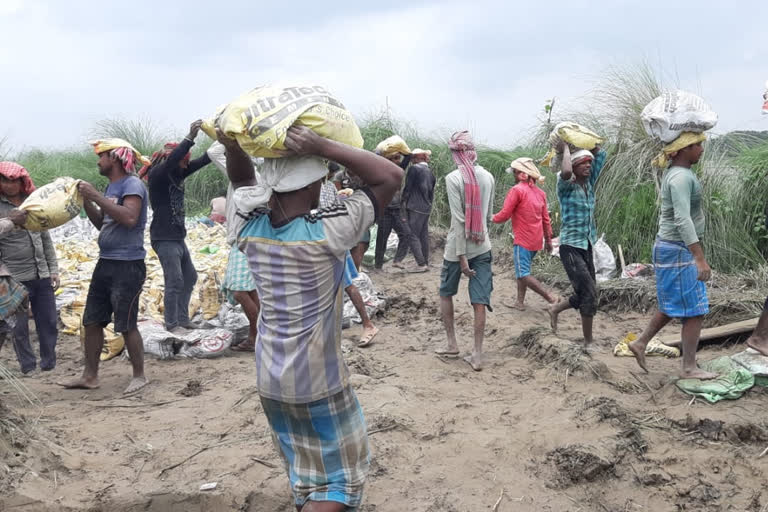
(120, 215)
(526, 205)
(468, 247)
(678, 256)
(578, 234)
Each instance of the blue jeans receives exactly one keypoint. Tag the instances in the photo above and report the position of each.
(43, 304)
(180, 277)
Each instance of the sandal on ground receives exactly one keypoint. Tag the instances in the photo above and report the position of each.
(245, 346)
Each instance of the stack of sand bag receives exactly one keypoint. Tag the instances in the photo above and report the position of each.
(258, 120)
(76, 246)
(673, 120)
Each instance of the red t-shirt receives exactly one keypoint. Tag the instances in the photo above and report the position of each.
(526, 205)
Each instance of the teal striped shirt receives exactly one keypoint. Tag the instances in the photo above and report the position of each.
(577, 207)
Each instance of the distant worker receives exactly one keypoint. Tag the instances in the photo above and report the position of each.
(526, 205)
(393, 218)
(678, 256)
(346, 184)
(165, 177)
(330, 201)
(238, 286)
(578, 232)
(470, 191)
(31, 259)
(417, 197)
(13, 294)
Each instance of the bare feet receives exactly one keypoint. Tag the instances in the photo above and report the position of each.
(639, 353)
(368, 334)
(475, 361)
(552, 317)
(398, 264)
(516, 305)
(136, 384)
(758, 343)
(553, 299)
(81, 383)
(697, 373)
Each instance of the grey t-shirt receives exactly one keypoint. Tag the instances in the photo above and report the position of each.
(681, 217)
(117, 242)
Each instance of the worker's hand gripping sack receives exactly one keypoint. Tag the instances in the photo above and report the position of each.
(259, 119)
(675, 112)
(52, 205)
(575, 135)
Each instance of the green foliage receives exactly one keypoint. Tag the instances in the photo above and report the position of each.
(733, 171)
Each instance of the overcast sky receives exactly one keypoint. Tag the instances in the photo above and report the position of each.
(483, 65)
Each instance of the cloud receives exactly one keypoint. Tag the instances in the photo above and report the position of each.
(442, 66)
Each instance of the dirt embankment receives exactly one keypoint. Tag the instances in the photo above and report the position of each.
(542, 428)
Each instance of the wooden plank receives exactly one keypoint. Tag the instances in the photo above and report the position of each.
(721, 331)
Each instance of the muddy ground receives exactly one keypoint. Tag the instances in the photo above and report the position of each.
(542, 428)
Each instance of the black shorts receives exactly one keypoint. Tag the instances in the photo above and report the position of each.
(115, 289)
(580, 267)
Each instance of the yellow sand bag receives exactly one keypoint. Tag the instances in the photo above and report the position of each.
(209, 296)
(113, 343)
(52, 205)
(259, 119)
(392, 145)
(575, 135)
(654, 348)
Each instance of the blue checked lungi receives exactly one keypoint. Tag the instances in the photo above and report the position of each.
(523, 258)
(350, 270)
(324, 446)
(239, 277)
(679, 293)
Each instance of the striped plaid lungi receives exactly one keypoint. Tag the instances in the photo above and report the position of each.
(239, 277)
(679, 292)
(324, 445)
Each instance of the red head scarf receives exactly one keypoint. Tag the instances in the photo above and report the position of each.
(463, 151)
(159, 156)
(13, 171)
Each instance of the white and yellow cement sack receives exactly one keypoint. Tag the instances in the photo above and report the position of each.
(52, 205)
(574, 134)
(259, 119)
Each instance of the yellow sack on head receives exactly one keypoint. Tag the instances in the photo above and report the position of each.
(575, 135)
(259, 119)
(392, 145)
(52, 205)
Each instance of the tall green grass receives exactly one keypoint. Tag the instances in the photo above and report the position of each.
(80, 163)
(733, 171)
